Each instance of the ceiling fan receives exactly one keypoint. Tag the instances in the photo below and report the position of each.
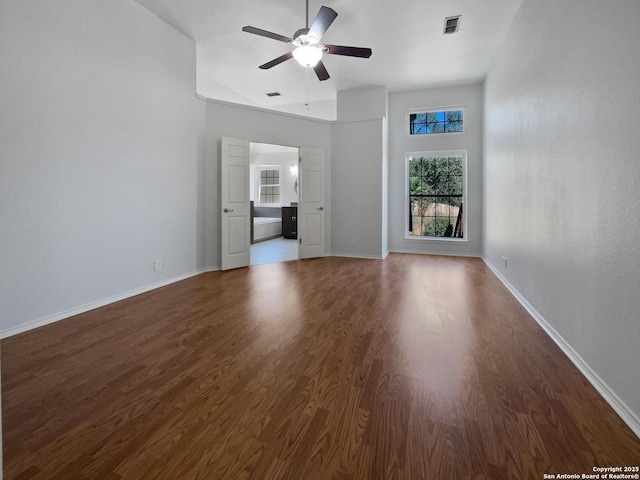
(307, 47)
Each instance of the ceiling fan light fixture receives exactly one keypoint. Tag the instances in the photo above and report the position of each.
(308, 55)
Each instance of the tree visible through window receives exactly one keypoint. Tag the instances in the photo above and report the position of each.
(436, 195)
(446, 121)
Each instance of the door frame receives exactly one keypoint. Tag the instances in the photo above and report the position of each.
(327, 210)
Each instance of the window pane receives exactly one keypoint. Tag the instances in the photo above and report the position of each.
(454, 116)
(269, 188)
(437, 128)
(414, 167)
(434, 117)
(455, 185)
(417, 123)
(445, 121)
(435, 196)
(455, 165)
(453, 127)
(418, 208)
(414, 186)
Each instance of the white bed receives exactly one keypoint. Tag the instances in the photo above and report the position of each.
(265, 228)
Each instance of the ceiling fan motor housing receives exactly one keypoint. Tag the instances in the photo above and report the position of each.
(302, 37)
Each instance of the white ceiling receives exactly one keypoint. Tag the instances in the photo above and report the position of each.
(409, 49)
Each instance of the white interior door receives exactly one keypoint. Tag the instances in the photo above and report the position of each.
(236, 216)
(311, 206)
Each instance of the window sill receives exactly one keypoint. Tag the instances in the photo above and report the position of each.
(436, 239)
(422, 135)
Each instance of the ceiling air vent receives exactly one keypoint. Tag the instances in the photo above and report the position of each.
(273, 94)
(451, 25)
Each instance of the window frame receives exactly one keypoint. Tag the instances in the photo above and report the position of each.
(408, 113)
(258, 184)
(465, 214)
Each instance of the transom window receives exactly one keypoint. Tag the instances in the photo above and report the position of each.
(435, 194)
(269, 186)
(426, 122)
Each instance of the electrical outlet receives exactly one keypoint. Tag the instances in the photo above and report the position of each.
(504, 261)
(353, 242)
(157, 265)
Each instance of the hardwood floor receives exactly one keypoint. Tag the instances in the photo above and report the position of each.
(415, 367)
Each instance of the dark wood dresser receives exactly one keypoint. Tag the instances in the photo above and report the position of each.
(290, 222)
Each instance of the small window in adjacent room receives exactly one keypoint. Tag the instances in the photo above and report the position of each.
(269, 186)
(428, 122)
(435, 195)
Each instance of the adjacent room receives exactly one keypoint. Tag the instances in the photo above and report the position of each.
(274, 195)
(304, 240)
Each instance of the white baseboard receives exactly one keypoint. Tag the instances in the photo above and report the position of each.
(379, 257)
(355, 255)
(621, 408)
(212, 269)
(443, 254)
(8, 332)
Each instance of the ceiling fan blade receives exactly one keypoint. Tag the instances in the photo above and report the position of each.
(348, 51)
(265, 33)
(321, 71)
(322, 22)
(276, 61)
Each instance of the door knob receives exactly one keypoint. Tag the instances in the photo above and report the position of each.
(320, 208)
(227, 210)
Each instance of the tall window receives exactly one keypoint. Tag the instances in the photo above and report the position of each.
(269, 186)
(435, 194)
(425, 122)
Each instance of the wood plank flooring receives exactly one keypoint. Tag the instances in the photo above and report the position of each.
(415, 367)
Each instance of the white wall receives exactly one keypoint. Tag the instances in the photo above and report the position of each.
(359, 180)
(362, 104)
(400, 143)
(98, 158)
(255, 125)
(283, 158)
(357, 189)
(562, 179)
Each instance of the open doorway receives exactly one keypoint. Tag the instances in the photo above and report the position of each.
(274, 187)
